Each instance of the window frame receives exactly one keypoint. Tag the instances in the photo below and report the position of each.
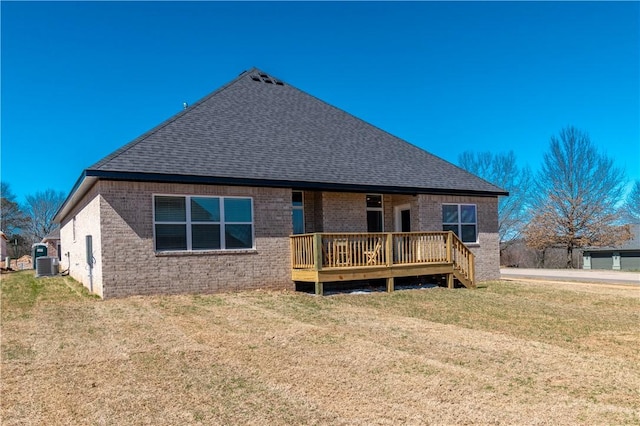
(375, 209)
(460, 223)
(300, 208)
(189, 222)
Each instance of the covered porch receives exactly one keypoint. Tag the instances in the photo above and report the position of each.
(329, 257)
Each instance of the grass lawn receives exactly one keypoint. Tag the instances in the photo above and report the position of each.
(506, 353)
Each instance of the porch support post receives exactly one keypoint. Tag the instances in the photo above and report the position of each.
(317, 252)
(390, 284)
(317, 261)
(449, 280)
(388, 249)
(388, 252)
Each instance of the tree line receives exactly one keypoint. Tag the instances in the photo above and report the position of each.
(28, 223)
(575, 200)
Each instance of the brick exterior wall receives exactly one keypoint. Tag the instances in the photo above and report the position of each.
(344, 212)
(52, 249)
(487, 250)
(131, 265)
(312, 207)
(119, 217)
(83, 220)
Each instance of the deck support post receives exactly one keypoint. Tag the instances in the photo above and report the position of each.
(449, 280)
(319, 289)
(388, 249)
(390, 284)
(317, 252)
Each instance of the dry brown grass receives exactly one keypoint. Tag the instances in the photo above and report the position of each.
(507, 353)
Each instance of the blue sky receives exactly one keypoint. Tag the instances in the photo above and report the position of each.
(79, 80)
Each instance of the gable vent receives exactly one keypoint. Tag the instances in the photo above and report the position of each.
(265, 78)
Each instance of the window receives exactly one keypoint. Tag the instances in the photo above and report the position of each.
(374, 213)
(73, 228)
(461, 219)
(297, 206)
(202, 223)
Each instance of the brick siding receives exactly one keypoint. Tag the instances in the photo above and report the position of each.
(119, 217)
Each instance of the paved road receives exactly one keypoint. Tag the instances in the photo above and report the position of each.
(592, 276)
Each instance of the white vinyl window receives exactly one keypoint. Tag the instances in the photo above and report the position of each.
(190, 223)
(462, 220)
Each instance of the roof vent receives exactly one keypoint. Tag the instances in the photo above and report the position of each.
(266, 78)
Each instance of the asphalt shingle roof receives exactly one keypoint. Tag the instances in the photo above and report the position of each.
(259, 129)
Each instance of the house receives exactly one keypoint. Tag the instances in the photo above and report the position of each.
(4, 253)
(260, 184)
(625, 257)
(52, 240)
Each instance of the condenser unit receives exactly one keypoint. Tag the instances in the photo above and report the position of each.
(46, 266)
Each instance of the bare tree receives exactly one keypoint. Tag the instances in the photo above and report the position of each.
(13, 219)
(42, 207)
(502, 170)
(577, 190)
(632, 206)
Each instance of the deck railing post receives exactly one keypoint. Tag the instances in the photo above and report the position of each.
(449, 246)
(388, 252)
(317, 251)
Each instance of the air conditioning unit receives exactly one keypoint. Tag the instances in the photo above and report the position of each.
(46, 266)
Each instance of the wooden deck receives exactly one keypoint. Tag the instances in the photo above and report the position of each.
(330, 257)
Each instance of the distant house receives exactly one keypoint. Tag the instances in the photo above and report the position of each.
(260, 185)
(52, 240)
(625, 257)
(4, 253)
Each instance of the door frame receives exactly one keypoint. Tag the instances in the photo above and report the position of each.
(397, 215)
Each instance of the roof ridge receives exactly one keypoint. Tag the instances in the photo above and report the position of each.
(168, 121)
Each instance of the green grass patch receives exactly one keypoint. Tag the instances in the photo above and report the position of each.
(21, 291)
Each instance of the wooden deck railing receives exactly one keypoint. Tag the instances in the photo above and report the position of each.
(321, 251)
